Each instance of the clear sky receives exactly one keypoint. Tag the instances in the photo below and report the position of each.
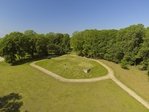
(67, 16)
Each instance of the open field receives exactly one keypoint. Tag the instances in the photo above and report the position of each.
(42, 93)
(72, 67)
(110, 75)
(133, 78)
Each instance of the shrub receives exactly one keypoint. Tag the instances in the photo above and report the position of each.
(124, 64)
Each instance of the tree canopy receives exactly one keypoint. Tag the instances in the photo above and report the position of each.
(127, 46)
(18, 46)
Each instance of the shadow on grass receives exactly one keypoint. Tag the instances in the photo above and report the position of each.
(29, 60)
(11, 103)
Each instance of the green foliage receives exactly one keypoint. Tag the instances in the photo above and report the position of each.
(77, 42)
(18, 46)
(148, 71)
(58, 43)
(13, 47)
(31, 36)
(145, 64)
(124, 64)
(114, 45)
(1, 46)
(42, 46)
(144, 51)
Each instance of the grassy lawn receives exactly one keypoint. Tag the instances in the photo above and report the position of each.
(42, 93)
(72, 67)
(133, 78)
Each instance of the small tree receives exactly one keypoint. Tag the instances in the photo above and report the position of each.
(124, 64)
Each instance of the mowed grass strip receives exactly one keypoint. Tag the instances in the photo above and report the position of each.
(72, 67)
(42, 93)
(135, 79)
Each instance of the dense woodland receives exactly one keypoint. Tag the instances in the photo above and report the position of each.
(128, 46)
(18, 46)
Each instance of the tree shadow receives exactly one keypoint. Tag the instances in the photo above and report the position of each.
(27, 60)
(11, 103)
(36, 58)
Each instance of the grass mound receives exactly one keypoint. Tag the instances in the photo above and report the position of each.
(73, 67)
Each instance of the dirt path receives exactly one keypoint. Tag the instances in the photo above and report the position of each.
(110, 75)
(128, 90)
(58, 77)
(125, 88)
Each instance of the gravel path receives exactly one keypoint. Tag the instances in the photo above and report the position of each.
(60, 78)
(110, 75)
(128, 90)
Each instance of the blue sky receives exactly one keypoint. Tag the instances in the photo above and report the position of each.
(67, 16)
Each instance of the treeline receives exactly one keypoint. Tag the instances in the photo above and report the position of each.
(18, 46)
(128, 46)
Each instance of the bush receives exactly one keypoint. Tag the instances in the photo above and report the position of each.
(148, 71)
(145, 64)
(124, 64)
(10, 59)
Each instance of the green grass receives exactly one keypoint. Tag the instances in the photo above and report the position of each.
(133, 78)
(42, 93)
(72, 67)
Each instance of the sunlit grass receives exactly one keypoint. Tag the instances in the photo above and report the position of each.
(42, 93)
(73, 67)
(133, 78)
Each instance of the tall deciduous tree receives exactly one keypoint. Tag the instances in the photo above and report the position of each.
(17, 46)
(115, 45)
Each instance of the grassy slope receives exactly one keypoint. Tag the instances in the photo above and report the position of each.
(72, 67)
(133, 78)
(42, 93)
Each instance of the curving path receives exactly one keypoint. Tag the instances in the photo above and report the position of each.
(110, 75)
(125, 88)
(62, 79)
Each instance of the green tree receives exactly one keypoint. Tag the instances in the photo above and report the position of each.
(9, 49)
(42, 45)
(113, 45)
(58, 43)
(31, 37)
